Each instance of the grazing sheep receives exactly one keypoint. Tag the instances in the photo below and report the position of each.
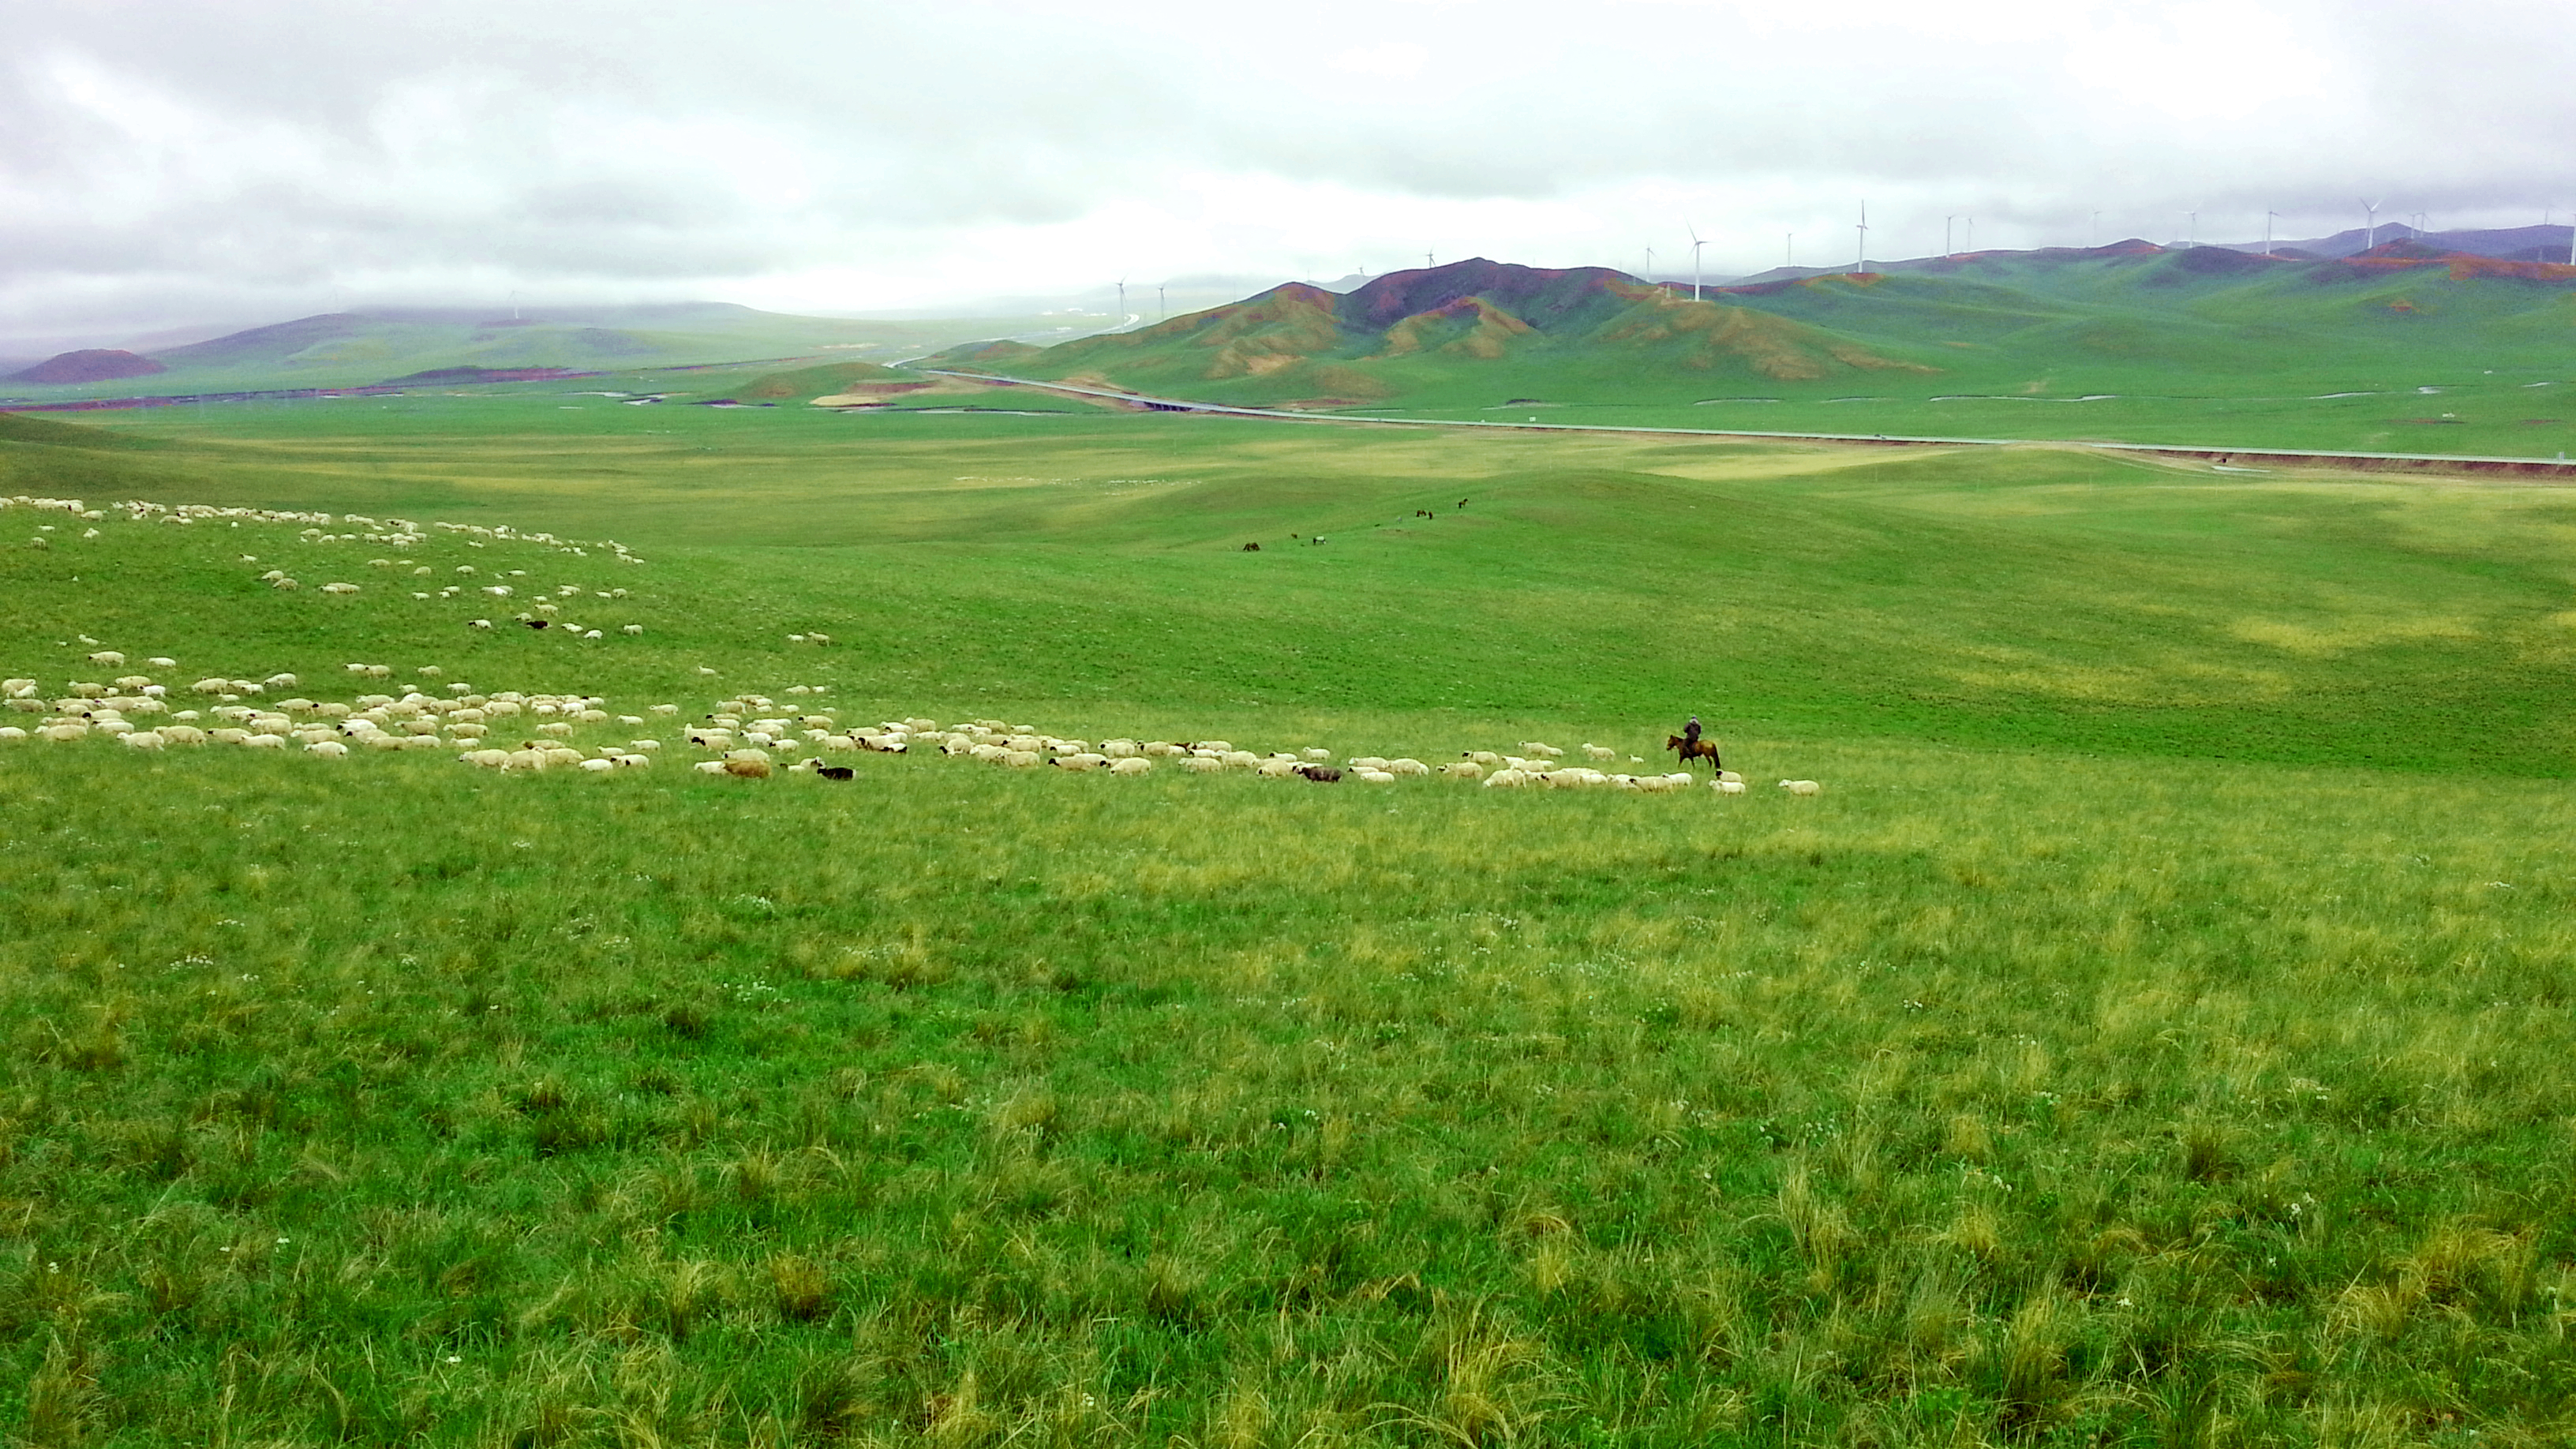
(709, 767)
(1199, 764)
(1366, 762)
(747, 769)
(1131, 765)
(1319, 774)
(1317, 755)
(634, 762)
(1800, 787)
(1162, 749)
(1600, 752)
(1727, 787)
(1407, 767)
(1542, 751)
(1276, 769)
(143, 740)
(1021, 759)
(1119, 749)
(107, 656)
(1730, 776)
(328, 749)
(1507, 779)
(339, 588)
(12, 734)
(632, 630)
(1463, 770)
(478, 624)
(1080, 762)
(599, 767)
(1486, 758)
(1374, 777)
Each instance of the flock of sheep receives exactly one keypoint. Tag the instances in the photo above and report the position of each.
(740, 737)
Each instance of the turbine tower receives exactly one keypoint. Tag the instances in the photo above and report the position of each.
(1696, 244)
(2370, 236)
(1162, 302)
(1860, 263)
(1789, 249)
(2268, 218)
(1650, 266)
(1946, 252)
(1122, 305)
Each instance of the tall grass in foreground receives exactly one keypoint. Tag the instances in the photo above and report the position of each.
(1982, 1099)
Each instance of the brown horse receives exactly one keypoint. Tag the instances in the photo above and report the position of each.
(1699, 749)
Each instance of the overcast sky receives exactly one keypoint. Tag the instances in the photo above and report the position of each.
(170, 163)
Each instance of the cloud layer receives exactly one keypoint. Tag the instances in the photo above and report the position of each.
(165, 162)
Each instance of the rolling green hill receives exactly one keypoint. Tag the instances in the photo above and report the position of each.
(2200, 346)
(352, 349)
(1479, 323)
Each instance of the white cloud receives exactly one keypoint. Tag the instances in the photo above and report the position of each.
(161, 159)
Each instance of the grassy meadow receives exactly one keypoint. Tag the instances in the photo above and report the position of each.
(2156, 1032)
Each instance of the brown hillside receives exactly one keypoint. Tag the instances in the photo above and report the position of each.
(90, 364)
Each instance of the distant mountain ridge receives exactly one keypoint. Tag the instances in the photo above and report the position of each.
(1299, 343)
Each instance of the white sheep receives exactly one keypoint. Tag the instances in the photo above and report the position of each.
(1599, 752)
(1131, 765)
(1506, 779)
(1407, 767)
(12, 734)
(599, 767)
(632, 630)
(1727, 787)
(107, 656)
(327, 749)
(1542, 751)
(709, 767)
(1800, 787)
(1199, 764)
(1316, 755)
(1373, 777)
(143, 740)
(1463, 770)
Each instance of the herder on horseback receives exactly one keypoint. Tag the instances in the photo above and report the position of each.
(1692, 747)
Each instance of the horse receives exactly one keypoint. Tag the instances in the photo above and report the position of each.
(1699, 749)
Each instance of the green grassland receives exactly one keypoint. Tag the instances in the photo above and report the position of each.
(2157, 1032)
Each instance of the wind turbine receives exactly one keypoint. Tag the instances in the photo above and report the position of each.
(1696, 244)
(1860, 263)
(1972, 233)
(2268, 218)
(2370, 237)
(2191, 228)
(1122, 305)
(1162, 302)
(1789, 249)
(1946, 252)
(1650, 266)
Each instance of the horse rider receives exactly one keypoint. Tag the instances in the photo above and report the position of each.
(1690, 737)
